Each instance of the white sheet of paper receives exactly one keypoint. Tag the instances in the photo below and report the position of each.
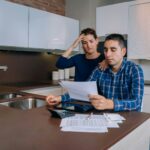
(114, 117)
(80, 90)
(83, 129)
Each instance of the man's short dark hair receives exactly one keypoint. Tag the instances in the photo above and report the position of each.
(116, 37)
(88, 31)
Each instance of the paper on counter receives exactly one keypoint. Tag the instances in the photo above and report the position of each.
(80, 90)
(114, 117)
(83, 129)
(84, 123)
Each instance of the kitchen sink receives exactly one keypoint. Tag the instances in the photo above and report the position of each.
(25, 104)
(9, 95)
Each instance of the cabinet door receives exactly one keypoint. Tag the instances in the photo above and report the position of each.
(146, 99)
(39, 28)
(112, 19)
(13, 24)
(51, 31)
(139, 31)
(63, 31)
(71, 31)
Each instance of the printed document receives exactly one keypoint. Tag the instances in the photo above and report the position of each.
(80, 90)
(90, 123)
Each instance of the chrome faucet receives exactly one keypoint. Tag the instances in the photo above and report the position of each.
(4, 68)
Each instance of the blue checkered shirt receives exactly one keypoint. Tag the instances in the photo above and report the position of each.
(125, 88)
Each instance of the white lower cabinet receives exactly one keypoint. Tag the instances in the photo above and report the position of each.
(146, 100)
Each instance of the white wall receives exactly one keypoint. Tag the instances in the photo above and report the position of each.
(146, 68)
(85, 12)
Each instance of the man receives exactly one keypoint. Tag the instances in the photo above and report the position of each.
(120, 86)
(122, 83)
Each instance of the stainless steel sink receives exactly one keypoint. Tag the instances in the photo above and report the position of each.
(9, 95)
(25, 104)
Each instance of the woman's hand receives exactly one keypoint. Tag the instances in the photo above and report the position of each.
(68, 52)
(53, 100)
(103, 65)
(77, 41)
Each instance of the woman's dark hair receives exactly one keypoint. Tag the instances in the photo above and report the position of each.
(116, 37)
(88, 31)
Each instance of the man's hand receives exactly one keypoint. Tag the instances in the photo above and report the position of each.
(100, 102)
(53, 100)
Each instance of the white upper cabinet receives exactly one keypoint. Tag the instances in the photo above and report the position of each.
(71, 32)
(39, 28)
(139, 31)
(112, 19)
(13, 24)
(21, 26)
(51, 31)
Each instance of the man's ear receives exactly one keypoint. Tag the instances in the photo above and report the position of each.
(124, 50)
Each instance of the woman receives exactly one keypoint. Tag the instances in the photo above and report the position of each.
(84, 63)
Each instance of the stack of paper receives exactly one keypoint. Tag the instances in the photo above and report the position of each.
(89, 123)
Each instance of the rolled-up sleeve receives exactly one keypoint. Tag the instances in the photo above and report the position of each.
(65, 97)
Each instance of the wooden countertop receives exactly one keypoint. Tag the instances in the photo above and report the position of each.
(35, 129)
(27, 85)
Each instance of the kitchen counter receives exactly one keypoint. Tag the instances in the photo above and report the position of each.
(35, 129)
(30, 85)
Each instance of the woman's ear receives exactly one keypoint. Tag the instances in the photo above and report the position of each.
(97, 40)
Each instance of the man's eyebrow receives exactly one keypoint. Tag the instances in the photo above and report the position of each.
(113, 47)
(110, 48)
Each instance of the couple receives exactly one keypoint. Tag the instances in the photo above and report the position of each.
(120, 85)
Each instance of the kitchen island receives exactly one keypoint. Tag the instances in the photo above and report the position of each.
(35, 129)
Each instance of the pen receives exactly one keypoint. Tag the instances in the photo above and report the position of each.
(106, 117)
(90, 115)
